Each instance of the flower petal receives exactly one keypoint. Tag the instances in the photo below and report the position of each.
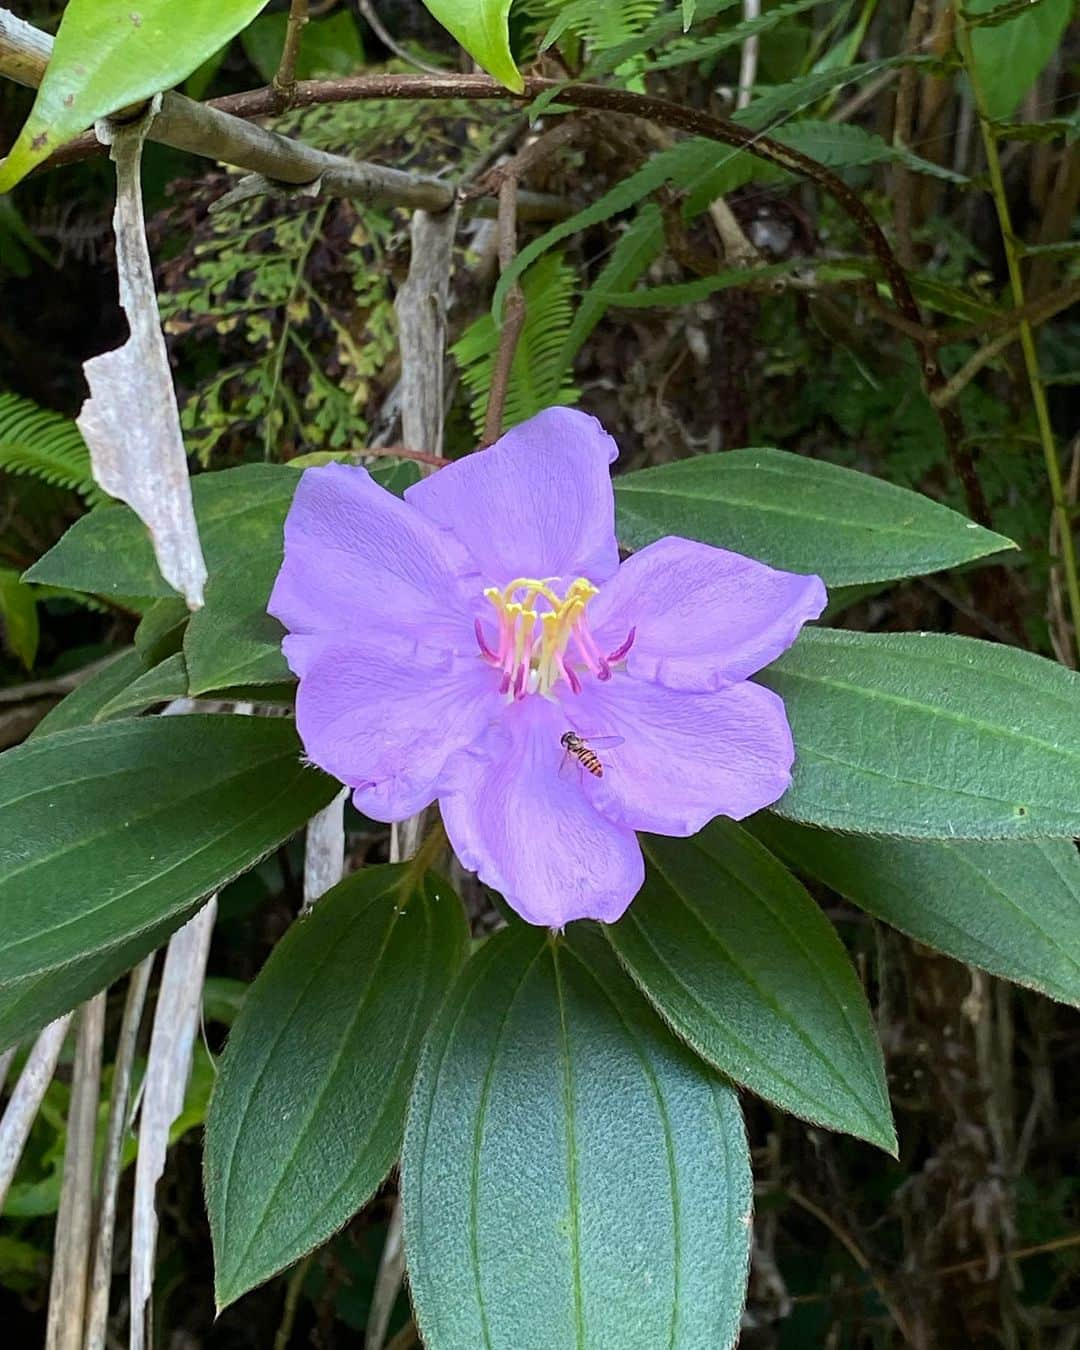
(684, 757)
(384, 718)
(702, 617)
(529, 830)
(356, 556)
(538, 503)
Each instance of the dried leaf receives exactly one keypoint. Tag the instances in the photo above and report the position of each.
(131, 423)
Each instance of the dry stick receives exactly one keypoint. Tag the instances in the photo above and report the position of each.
(97, 1305)
(74, 1219)
(284, 81)
(26, 1098)
(324, 850)
(1027, 339)
(6, 1057)
(168, 1067)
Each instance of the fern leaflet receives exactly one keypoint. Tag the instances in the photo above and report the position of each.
(45, 445)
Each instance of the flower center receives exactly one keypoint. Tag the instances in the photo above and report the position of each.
(544, 638)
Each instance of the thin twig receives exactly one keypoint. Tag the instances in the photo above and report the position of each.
(74, 1218)
(855, 1252)
(513, 314)
(367, 9)
(405, 1339)
(902, 126)
(97, 1310)
(292, 1301)
(505, 178)
(284, 81)
(1027, 339)
(26, 1098)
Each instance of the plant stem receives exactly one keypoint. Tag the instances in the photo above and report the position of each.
(284, 82)
(1027, 337)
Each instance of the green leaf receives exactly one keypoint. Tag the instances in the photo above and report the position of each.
(1009, 57)
(109, 54)
(800, 514)
(783, 99)
(709, 48)
(634, 251)
(1011, 907)
(231, 641)
(18, 617)
(482, 28)
(572, 1176)
(309, 1108)
(161, 684)
(741, 962)
(86, 700)
(929, 736)
(114, 834)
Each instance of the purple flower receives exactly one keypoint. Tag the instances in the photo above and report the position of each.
(447, 644)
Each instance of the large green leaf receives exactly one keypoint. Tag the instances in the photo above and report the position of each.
(1009, 57)
(112, 53)
(231, 641)
(481, 26)
(929, 736)
(309, 1108)
(741, 962)
(1011, 907)
(161, 684)
(572, 1176)
(804, 515)
(112, 835)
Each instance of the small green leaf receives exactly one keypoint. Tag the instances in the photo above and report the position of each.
(1011, 907)
(18, 617)
(1010, 56)
(744, 966)
(572, 1176)
(161, 684)
(482, 28)
(929, 736)
(804, 515)
(81, 706)
(309, 1108)
(109, 54)
(112, 836)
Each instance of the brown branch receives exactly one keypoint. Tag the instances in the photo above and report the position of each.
(284, 82)
(504, 179)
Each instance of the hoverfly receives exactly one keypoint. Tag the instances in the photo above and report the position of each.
(578, 748)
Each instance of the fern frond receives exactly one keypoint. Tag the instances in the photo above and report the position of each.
(600, 26)
(538, 377)
(45, 445)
